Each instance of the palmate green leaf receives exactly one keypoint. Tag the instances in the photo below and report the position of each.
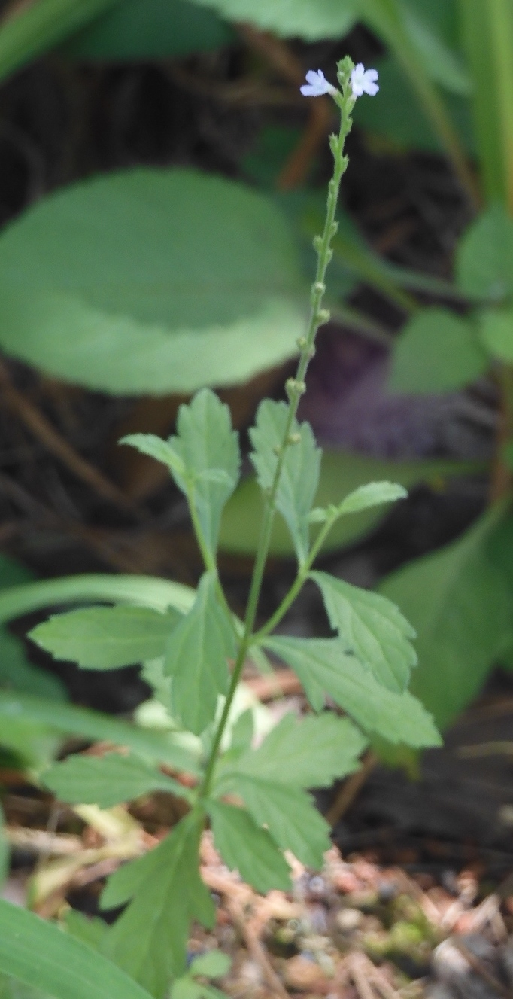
(322, 666)
(209, 451)
(196, 658)
(437, 351)
(151, 281)
(484, 257)
(341, 473)
(300, 473)
(17, 710)
(107, 780)
(288, 812)
(106, 637)
(371, 628)
(247, 848)
(460, 605)
(37, 953)
(304, 753)
(148, 29)
(149, 940)
(496, 332)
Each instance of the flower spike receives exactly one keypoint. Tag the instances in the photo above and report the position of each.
(316, 84)
(363, 81)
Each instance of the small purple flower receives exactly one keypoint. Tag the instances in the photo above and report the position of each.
(363, 81)
(316, 84)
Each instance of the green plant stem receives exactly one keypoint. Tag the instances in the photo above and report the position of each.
(295, 388)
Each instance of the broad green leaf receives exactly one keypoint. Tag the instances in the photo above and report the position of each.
(37, 953)
(107, 780)
(149, 940)
(309, 752)
(484, 258)
(437, 351)
(309, 19)
(341, 473)
(89, 929)
(242, 731)
(4, 849)
(288, 812)
(209, 451)
(141, 591)
(17, 710)
(40, 26)
(371, 628)
(196, 658)
(213, 964)
(247, 848)
(300, 471)
(457, 601)
(10, 988)
(320, 662)
(157, 448)
(106, 637)
(185, 988)
(496, 331)
(148, 29)
(487, 38)
(151, 281)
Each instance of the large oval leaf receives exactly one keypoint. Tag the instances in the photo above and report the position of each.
(151, 281)
(149, 29)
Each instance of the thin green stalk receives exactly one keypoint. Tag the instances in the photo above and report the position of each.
(295, 388)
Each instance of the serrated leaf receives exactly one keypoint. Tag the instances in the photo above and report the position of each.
(209, 450)
(399, 718)
(371, 628)
(106, 637)
(149, 940)
(155, 447)
(300, 472)
(107, 780)
(437, 351)
(196, 658)
(247, 848)
(370, 495)
(213, 964)
(460, 604)
(484, 258)
(214, 293)
(288, 812)
(305, 753)
(36, 952)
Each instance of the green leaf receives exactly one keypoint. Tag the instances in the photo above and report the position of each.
(437, 351)
(321, 664)
(149, 940)
(309, 752)
(371, 628)
(247, 848)
(309, 19)
(37, 953)
(90, 930)
(106, 637)
(363, 498)
(4, 849)
(288, 812)
(496, 331)
(151, 281)
(107, 780)
(484, 258)
(300, 470)
(36, 28)
(18, 709)
(186, 988)
(442, 63)
(242, 731)
(196, 658)
(341, 473)
(209, 451)
(148, 29)
(157, 448)
(213, 964)
(457, 600)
